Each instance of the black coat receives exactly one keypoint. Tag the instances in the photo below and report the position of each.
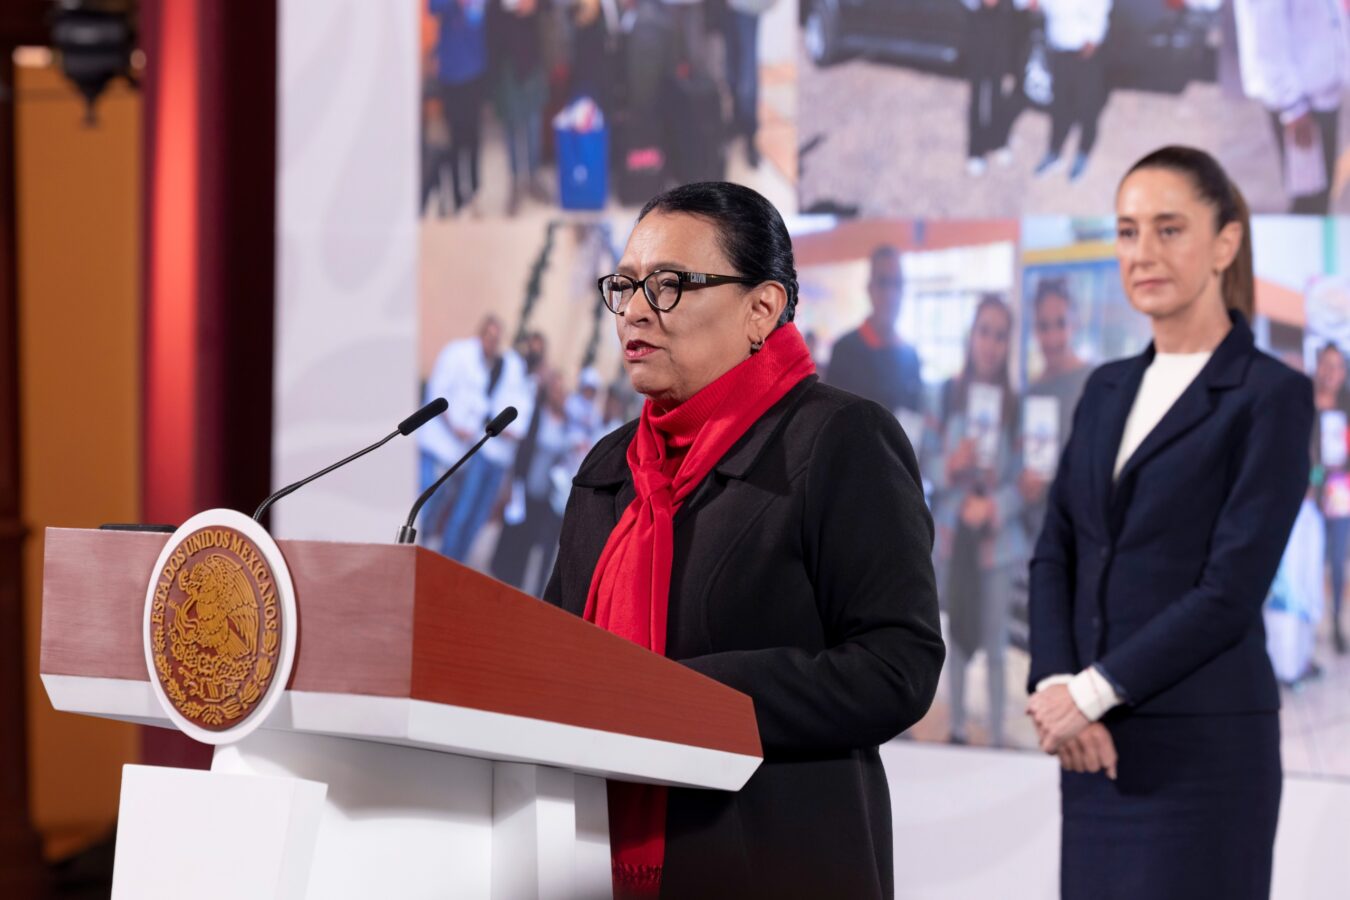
(802, 577)
(1160, 577)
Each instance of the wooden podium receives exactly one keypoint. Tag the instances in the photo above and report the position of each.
(441, 734)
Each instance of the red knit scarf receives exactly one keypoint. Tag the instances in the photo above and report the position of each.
(670, 455)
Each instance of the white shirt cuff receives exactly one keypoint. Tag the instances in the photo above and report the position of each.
(1052, 680)
(1092, 693)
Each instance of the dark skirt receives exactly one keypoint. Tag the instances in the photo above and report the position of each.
(1192, 813)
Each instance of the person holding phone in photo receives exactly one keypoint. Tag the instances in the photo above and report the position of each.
(1331, 472)
(1294, 57)
(1166, 522)
(1051, 398)
(975, 501)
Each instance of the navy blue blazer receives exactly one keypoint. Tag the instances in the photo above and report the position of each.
(1159, 577)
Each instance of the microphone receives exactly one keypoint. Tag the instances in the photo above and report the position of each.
(408, 534)
(407, 426)
(422, 416)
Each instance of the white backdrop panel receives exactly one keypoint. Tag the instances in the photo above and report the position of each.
(346, 263)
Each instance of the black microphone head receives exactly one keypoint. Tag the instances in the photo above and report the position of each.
(423, 416)
(504, 418)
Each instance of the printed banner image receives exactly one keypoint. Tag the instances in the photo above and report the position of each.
(531, 108)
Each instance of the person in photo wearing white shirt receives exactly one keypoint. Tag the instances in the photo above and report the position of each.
(976, 506)
(1331, 474)
(1294, 56)
(1165, 524)
(478, 377)
(1074, 31)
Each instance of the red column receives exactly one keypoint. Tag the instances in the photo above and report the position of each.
(210, 149)
(172, 221)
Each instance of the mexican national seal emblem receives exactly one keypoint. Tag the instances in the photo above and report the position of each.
(220, 626)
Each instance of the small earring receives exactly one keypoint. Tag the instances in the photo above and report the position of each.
(756, 346)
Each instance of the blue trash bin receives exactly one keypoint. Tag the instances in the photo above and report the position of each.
(583, 168)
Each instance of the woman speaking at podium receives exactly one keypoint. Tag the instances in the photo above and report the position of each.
(767, 531)
(1166, 522)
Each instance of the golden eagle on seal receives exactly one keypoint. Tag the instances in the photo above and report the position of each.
(227, 614)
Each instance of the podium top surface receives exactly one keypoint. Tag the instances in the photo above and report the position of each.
(400, 644)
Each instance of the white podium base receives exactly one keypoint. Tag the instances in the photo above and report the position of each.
(185, 833)
(393, 822)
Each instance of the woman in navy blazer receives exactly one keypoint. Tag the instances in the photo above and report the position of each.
(1167, 519)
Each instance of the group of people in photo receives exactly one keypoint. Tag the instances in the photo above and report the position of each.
(1292, 57)
(1067, 57)
(526, 60)
(520, 480)
(988, 453)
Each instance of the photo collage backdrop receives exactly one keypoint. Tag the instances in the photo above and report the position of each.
(546, 125)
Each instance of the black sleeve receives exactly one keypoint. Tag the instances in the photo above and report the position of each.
(867, 541)
(553, 591)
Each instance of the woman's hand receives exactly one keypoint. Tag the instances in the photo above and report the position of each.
(1058, 719)
(1092, 751)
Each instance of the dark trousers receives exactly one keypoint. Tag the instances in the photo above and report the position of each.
(742, 37)
(434, 158)
(991, 106)
(540, 528)
(987, 118)
(1080, 96)
(463, 107)
(1318, 204)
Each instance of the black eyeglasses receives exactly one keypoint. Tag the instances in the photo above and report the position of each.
(663, 288)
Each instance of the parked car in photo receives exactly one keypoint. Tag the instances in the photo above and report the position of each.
(1157, 45)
